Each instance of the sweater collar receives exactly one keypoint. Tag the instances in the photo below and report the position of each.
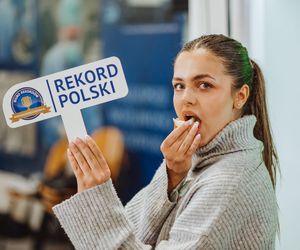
(236, 136)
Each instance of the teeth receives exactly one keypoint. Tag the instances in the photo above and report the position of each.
(193, 119)
(189, 117)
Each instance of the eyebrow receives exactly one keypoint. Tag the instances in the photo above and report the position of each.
(197, 77)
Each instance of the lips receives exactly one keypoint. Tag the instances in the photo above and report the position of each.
(185, 116)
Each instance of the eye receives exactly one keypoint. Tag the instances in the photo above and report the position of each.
(205, 85)
(178, 86)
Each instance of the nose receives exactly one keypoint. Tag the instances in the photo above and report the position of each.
(189, 96)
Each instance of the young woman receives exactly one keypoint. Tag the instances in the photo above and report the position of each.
(215, 186)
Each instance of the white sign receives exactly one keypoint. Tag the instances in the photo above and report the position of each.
(65, 93)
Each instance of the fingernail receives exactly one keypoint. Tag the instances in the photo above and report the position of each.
(196, 124)
(87, 137)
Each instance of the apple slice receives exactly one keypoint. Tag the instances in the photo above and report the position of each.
(178, 122)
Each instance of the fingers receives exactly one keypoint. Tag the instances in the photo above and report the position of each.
(185, 145)
(80, 159)
(96, 151)
(92, 155)
(74, 164)
(176, 133)
(188, 140)
(176, 145)
(87, 154)
(194, 145)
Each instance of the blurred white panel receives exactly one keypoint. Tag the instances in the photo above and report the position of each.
(197, 18)
(239, 21)
(146, 3)
(256, 46)
(207, 17)
(247, 22)
(218, 18)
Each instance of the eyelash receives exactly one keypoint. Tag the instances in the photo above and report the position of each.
(208, 85)
(176, 85)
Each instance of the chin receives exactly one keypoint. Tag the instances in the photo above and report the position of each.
(205, 141)
(202, 144)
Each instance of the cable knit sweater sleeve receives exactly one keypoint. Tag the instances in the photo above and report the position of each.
(149, 208)
(96, 219)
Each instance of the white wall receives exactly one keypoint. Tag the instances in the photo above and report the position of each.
(282, 69)
(273, 41)
(207, 17)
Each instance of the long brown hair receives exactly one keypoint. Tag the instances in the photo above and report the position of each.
(244, 71)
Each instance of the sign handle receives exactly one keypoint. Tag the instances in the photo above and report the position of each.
(74, 124)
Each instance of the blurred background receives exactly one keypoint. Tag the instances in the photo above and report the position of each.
(40, 37)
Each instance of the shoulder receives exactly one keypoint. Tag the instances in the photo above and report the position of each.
(232, 191)
(240, 178)
(238, 183)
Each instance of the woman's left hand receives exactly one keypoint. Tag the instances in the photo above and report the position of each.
(88, 163)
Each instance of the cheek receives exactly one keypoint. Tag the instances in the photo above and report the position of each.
(177, 104)
(219, 106)
(216, 116)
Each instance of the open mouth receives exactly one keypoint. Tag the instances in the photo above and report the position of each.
(191, 116)
(186, 117)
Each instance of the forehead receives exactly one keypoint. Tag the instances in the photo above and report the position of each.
(200, 61)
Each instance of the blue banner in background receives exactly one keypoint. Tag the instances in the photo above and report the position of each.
(147, 51)
(18, 35)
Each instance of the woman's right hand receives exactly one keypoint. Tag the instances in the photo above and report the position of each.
(177, 149)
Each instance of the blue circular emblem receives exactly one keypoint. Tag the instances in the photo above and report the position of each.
(25, 99)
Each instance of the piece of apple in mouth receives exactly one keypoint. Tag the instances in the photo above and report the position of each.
(178, 122)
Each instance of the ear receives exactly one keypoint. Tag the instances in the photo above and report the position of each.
(241, 97)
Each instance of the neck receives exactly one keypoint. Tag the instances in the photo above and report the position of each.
(236, 136)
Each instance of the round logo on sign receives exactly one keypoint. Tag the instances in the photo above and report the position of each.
(26, 101)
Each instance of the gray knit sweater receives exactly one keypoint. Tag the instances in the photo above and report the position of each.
(225, 202)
